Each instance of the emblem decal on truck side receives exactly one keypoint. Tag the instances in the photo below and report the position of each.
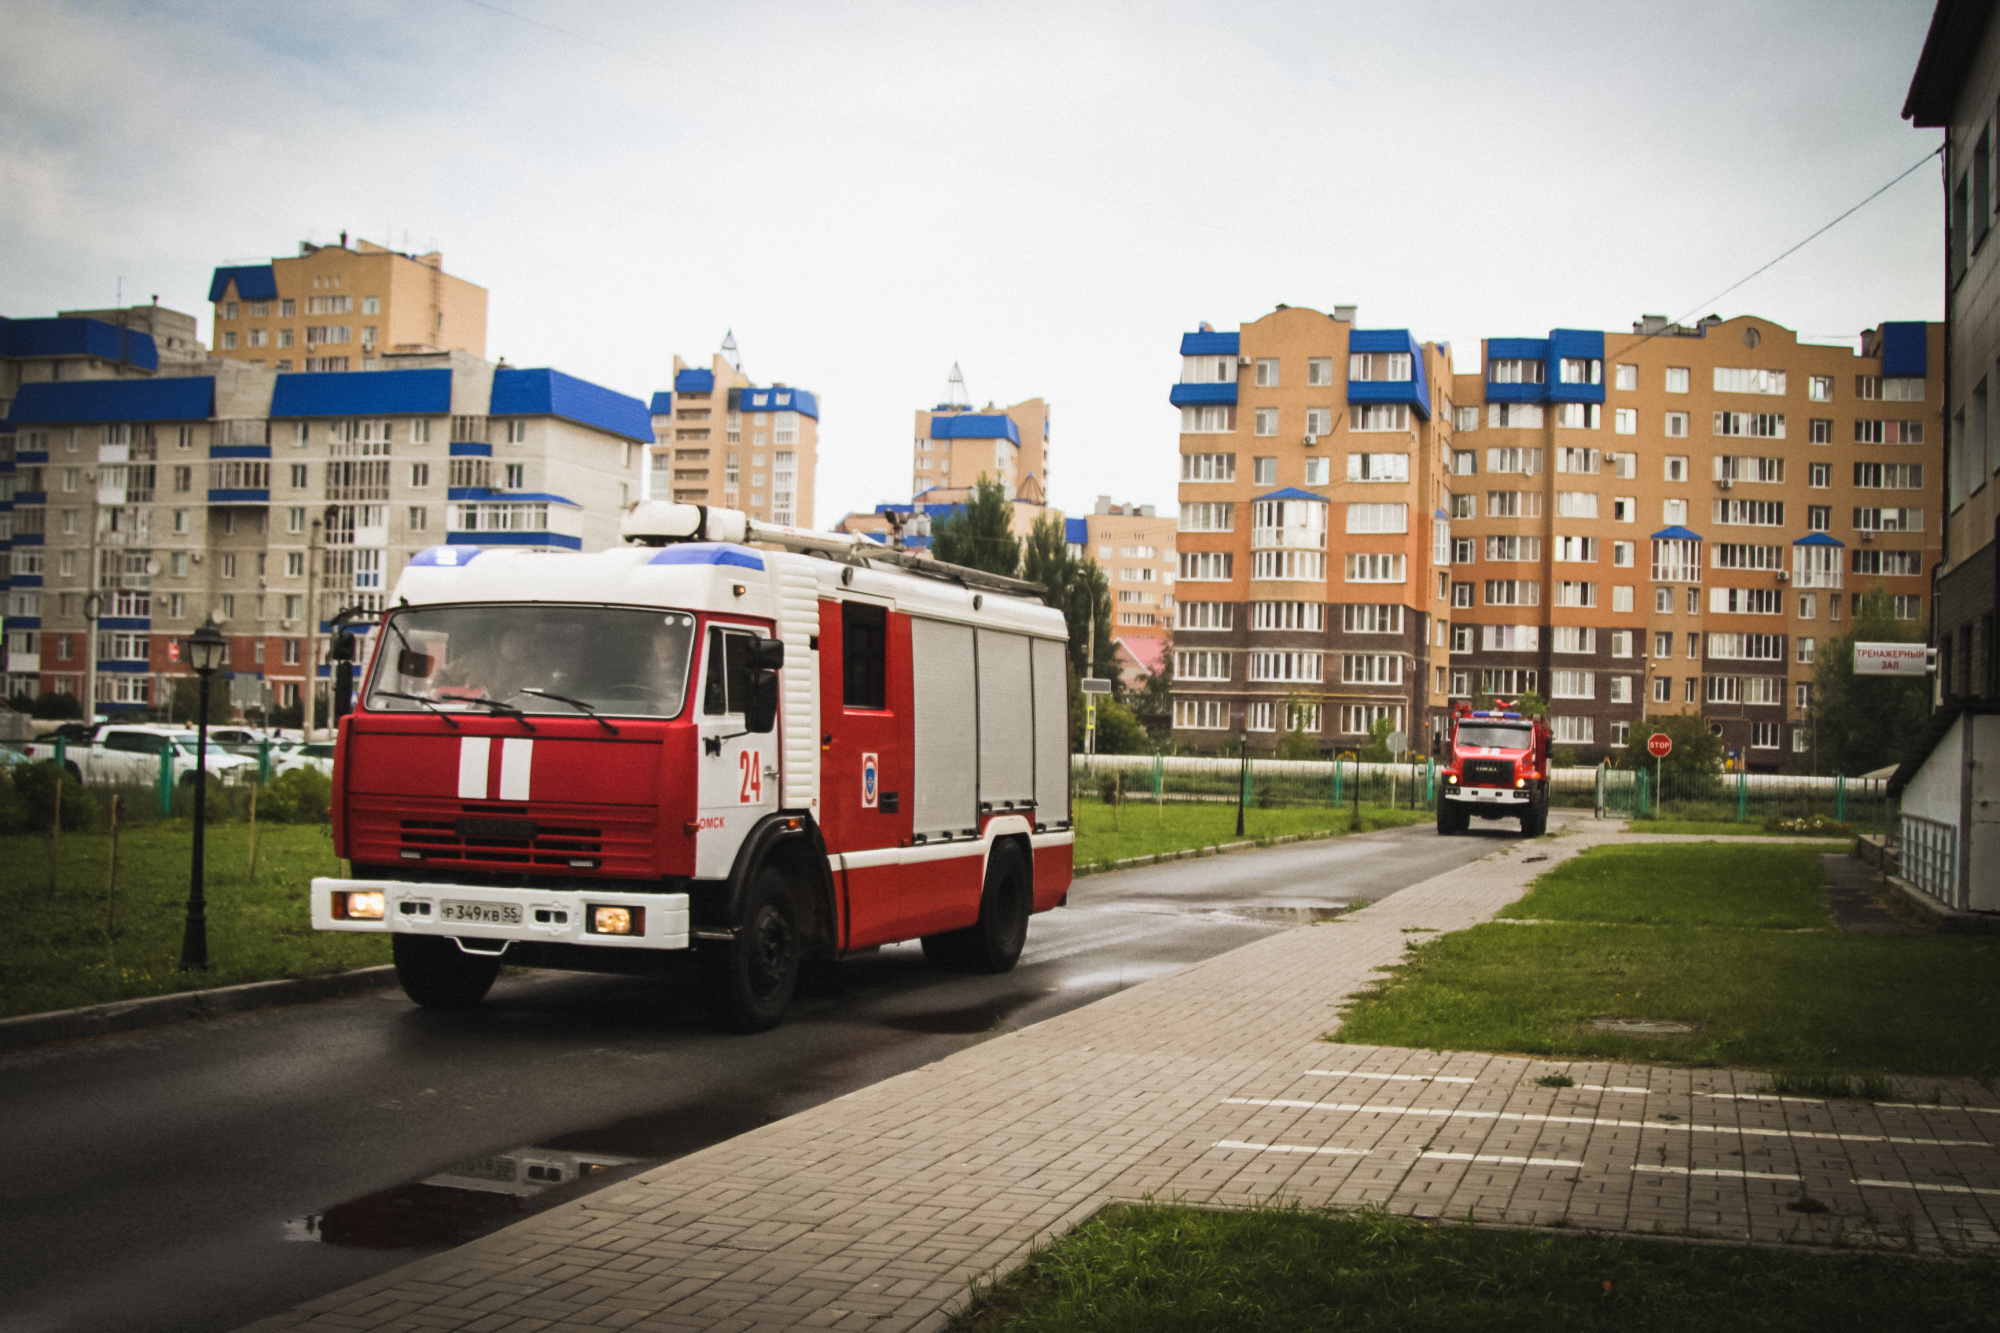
(870, 781)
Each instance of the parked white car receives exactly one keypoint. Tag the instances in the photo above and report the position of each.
(130, 754)
(303, 756)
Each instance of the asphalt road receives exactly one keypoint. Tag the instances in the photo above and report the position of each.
(202, 1176)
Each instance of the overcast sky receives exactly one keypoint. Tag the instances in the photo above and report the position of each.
(1047, 194)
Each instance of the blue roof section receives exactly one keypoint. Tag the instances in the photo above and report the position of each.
(555, 539)
(781, 400)
(470, 449)
(190, 399)
(362, 393)
(1515, 349)
(1587, 344)
(1676, 534)
(1905, 348)
(1294, 493)
(1818, 539)
(663, 403)
(1196, 395)
(708, 553)
(239, 451)
(694, 381)
(1076, 531)
(547, 392)
(1210, 344)
(979, 426)
(78, 337)
(254, 282)
(1416, 391)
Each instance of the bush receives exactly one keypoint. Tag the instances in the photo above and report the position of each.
(1109, 788)
(1808, 824)
(32, 799)
(302, 796)
(56, 707)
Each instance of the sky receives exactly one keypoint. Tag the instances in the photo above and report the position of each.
(1047, 195)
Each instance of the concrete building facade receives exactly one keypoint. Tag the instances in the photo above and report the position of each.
(270, 502)
(1665, 521)
(720, 439)
(330, 308)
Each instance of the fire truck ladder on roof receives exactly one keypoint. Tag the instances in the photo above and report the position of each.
(661, 523)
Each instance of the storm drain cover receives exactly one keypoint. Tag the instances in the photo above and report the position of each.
(1651, 1027)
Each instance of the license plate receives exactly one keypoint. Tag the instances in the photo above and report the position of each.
(484, 914)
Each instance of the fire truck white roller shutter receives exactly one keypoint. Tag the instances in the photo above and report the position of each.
(1051, 732)
(945, 729)
(798, 624)
(1006, 713)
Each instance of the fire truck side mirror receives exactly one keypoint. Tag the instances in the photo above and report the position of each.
(762, 714)
(767, 654)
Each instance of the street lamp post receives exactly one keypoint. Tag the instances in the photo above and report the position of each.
(1243, 767)
(205, 648)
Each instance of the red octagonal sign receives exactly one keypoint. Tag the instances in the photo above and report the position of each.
(1659, 745)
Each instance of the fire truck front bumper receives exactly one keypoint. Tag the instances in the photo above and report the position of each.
(593, 917)
(1488, 795)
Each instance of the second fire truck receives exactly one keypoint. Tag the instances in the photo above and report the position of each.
(1498, 767)
(691, 744)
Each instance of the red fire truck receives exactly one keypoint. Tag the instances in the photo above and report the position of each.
(1498, 767)
(693, 745)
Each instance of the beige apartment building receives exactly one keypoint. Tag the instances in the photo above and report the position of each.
(331, 308)
(1135, 548)
(1667, 521)
(955, 446)
(721, 439)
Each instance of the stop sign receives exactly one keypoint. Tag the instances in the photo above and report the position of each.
(173, 650)
(1659, 745)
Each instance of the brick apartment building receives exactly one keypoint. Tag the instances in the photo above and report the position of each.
(1663, 521)
(720, 439)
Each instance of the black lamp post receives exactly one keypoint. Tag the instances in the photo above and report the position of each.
(205, 649)
(1243, 768)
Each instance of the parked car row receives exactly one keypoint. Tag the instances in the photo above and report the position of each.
(132, 753)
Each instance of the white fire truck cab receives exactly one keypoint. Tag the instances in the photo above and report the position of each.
(690, 744)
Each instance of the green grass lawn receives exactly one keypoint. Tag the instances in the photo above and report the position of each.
(1650, 932)
(1724, 828)
(1164, 1269)
(56, 953)
(1140, 828)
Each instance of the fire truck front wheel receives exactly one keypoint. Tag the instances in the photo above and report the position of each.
(751, 979)
(437, 974)
(993, 943)
(1453, 817)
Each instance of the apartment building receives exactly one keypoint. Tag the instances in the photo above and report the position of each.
(956, 445)
(1665, 521)
(1135, 548)
(1672, 520)
(720, 439)
(1311, 580)
(1955, 88)
(273, 501)
(330, 308)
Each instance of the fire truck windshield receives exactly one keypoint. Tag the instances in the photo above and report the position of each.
(615, 660)
(1485, 735)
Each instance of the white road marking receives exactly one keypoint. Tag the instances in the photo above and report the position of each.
(1922, 1185)
(1712, 1171)
(1291, 1147)
(1399, 1078)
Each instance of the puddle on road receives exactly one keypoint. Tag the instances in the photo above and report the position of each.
(966, 1020)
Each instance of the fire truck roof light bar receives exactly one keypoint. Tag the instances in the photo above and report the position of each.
(662, 522)
(1516, 716)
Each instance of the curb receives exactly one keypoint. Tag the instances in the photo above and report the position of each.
(1190, 853)
(99, 1020)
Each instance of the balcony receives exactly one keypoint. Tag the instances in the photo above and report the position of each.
(1202, 395)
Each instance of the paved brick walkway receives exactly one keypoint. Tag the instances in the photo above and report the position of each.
(1211, 1085)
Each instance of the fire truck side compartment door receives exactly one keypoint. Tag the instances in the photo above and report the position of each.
(1051, 731)
(945, 729)
(1006, 713)
(738, 784)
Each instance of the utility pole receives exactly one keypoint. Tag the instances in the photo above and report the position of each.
(93, 601)
(310, 695)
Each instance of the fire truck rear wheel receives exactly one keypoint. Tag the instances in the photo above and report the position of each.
(993, 943)
(437, 974)
(751, 979)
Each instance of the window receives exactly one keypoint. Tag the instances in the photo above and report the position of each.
(1621, 642)
(1729, 380)
(1579, 416)
(1746, 601)
(1888, 432)
(1889, 520)
(1208, 467)
(1461, 595)
(1621, 597)
(1264, 472)
(1378, 366)
(1677, 379)
(1463, 506)
(1513, 548)
(1514, 416)
(1461, 638)
(1282, 667)
(1205, 615)
(517, 432)
(1319, 371)
(1200, 665)
(1888, 476)
(1373, 568)
(1378, 467)
(1755, 513)
(1677, 425)
(1267, 421)
(1628, 378)
(1742, 555)
(1508, 681)
(516, 476)
(1380, 416)
(1527, 462)
(1572, 592)
(1267, 373)
(1572, 685)
(1819, 430)
(1806, 651)
(1576, 550)
(229, 341)
(1309, 566)
(1908, 606)
(1381, 618)
(1624, 509)
(1201, 714)
(1210, 420)
(1513, 370)
(1819, 476)
(864, 655)
(1891, 564)
(1207, 566)
(1576, 504)
(1378, 518)
(1746, 647)
(1359, 719)
(1625, 421)
(1366, 669)
(1513, 504)
(1465, 418)
(1464, 550)
(1574, 639)
(1464, 463)
(1577, 460)
(1903, 390)
(1819, 518)
(1761, 425)
(1206, 516)
(1513, 592)
(1317, 471)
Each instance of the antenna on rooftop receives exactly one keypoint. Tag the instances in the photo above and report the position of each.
(954, 389)
(729, 352)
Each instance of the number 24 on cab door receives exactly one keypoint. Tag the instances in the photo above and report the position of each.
(752, 764)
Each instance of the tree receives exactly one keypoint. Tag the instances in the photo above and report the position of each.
(1153, 702)
(981, 536)
(186, 701)
(55, 707)
(1697, 750)
(1859, 723)
(1377, 749)
(1078, 589)
(1118, 732)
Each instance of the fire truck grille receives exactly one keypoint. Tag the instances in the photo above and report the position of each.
(541, 840)
(1489, 772)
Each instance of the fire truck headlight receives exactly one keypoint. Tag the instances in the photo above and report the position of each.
(617, 920)
(1451, 779)
(361, 905)
(1520, 782)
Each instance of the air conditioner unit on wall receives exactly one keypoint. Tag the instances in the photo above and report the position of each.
(1723, 483)
(1784, 576)
(1311, 440)
(1242, 360)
